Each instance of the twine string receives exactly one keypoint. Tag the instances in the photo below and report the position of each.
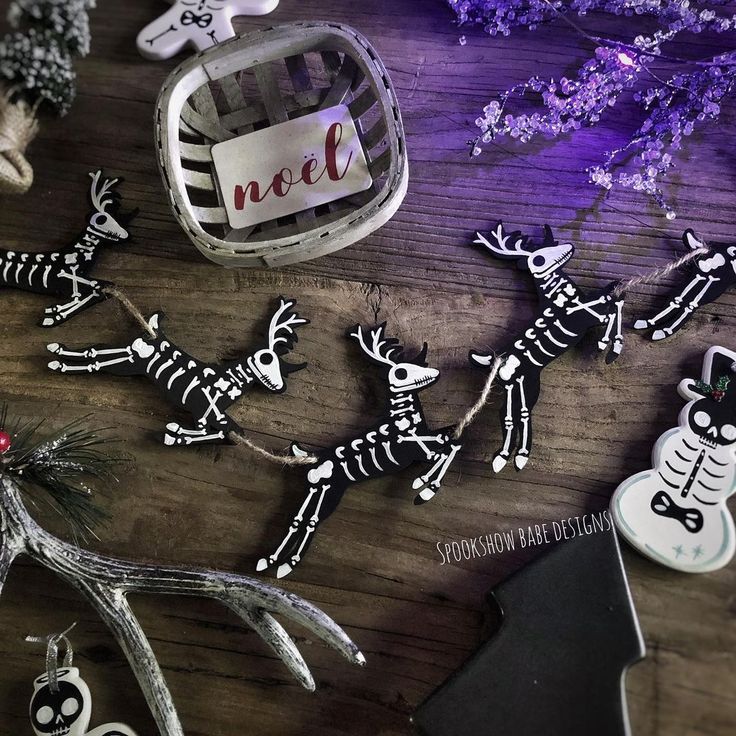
(52, 642)
(134, 312)
(476, 408)
(657, 274)
(648, 277)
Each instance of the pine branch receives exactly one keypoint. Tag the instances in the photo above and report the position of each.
(61, 464)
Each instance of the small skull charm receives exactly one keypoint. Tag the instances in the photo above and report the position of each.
(66, 709)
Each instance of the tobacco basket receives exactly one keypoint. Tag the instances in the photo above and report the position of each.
(262, 79)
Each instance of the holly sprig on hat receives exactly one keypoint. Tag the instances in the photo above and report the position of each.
(716, 390)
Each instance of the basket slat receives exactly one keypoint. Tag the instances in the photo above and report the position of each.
(210, 215)
(342, 84)
(199, 180)
(265, 78)
(299, 73)
(195, 152)
(200, 124)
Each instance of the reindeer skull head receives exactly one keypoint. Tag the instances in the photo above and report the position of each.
(411, 377)
(541, 260)
(101, 220)
(266, 364)
(403, 375)
(66, 712)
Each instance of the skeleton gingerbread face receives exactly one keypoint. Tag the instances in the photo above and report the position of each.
(63, 713)
(196, 23)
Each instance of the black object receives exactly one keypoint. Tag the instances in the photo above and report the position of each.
(400, 439)
(713, 273)
(65, 273)
(556, 666)
(564, 316)
(205, 390)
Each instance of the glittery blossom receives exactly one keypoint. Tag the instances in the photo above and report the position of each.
(685, 95)
(36, 58)
(67, 19)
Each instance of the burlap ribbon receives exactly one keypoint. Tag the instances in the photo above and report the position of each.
(18, 127)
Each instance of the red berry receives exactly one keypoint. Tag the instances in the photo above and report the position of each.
(718, 395)
(4, 442)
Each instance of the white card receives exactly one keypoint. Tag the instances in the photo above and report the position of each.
(290, 167)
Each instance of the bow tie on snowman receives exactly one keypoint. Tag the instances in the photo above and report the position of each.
(676, 513)
(195, 23)
(62, 704)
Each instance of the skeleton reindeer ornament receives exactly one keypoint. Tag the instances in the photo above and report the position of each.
(399, 440)
(65, 273)
(565, 315)
(205, 390)
(676, 513)
(714, 273)
(196, 23)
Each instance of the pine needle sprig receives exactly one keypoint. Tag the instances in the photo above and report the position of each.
(61, 463)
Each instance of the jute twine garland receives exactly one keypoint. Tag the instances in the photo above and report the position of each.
(472, 413)
(18, 127)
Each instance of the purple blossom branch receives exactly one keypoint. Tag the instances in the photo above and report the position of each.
(674, 106)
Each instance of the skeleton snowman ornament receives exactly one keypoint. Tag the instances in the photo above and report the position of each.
(676, 513)
(196, 23)
(64, 708)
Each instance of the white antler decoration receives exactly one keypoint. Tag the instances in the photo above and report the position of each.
(286, 325)
(501, 246)
(377, 350)
(101, 194)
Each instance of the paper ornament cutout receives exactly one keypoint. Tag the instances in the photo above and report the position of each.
(399, 440)
(558, 662)
(564, 316)
(196, 23)
(714, 273)
(205, 390)
(676, 513)
(65, 273)
(291, 167)
(67, 712)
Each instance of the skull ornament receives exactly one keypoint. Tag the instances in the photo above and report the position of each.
(713, 421)
(63, 713)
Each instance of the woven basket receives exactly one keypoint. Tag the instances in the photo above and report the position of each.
(262, 79)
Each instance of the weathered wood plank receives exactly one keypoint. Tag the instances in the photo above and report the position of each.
(374, 566)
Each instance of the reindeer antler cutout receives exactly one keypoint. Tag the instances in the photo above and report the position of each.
(106, 582)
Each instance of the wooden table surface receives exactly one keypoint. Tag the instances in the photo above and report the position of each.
(374, 566)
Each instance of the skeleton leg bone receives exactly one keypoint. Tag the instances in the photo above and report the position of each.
(674, 305)
(502, 456)
(684, 315)
(178, 435)
(435, 476)
(522, 456)
(62, 312)
(95, 367)
(60, 350)
(321, 501)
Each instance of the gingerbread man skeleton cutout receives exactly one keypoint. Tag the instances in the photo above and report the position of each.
(196, 23)
(676, 512)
